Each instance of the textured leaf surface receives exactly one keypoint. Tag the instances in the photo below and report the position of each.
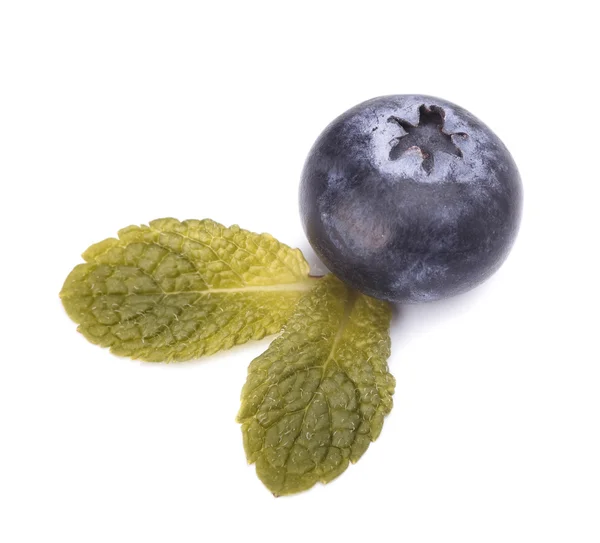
(315, 400)
(178, 290)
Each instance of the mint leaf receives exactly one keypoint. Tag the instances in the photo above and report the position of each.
(179, 290)
(315, 400)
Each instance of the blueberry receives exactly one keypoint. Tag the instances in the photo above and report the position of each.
(410, 198)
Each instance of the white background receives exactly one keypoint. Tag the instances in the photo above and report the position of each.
(118, 112)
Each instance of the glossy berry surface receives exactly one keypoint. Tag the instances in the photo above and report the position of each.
(410, 198)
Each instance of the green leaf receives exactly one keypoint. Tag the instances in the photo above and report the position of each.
(178, 290)
(315, 400)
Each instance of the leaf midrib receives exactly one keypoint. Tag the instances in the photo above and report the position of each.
(303, 286)
(349, 306)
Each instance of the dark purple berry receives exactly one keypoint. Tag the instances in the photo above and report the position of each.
(410, 198)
